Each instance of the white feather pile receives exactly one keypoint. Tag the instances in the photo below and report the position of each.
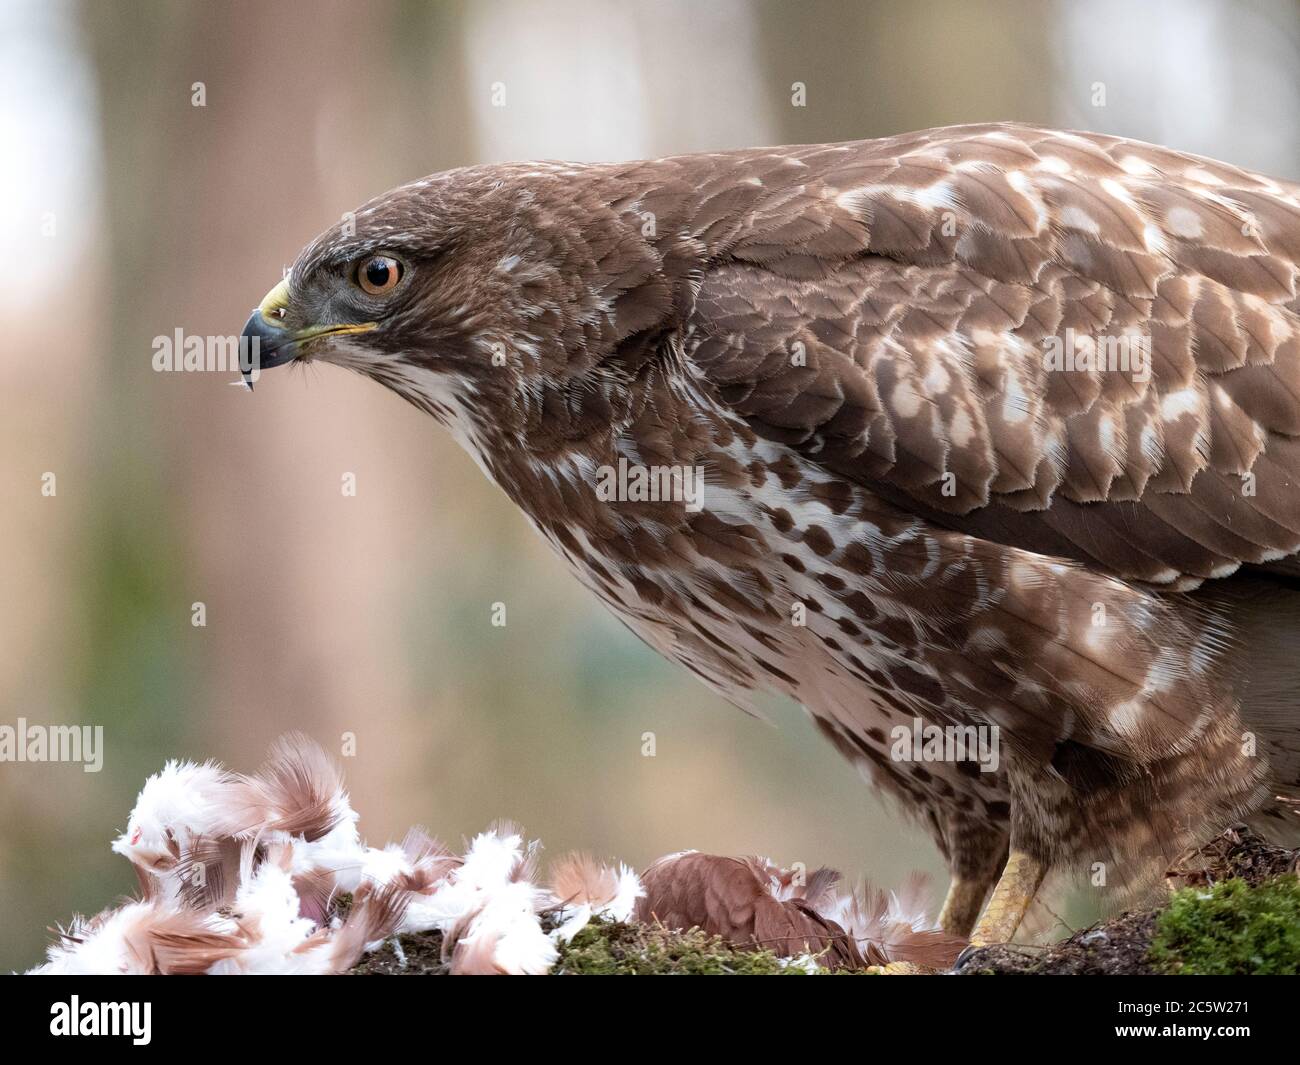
(584, 888)
(238, 874)
(242, 873)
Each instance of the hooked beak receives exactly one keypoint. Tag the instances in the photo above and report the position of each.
(270, 344)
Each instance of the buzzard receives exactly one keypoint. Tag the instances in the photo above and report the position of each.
(976, 432)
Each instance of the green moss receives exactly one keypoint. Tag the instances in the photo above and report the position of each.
(601, 949)
(1231, 929)
(606, 949)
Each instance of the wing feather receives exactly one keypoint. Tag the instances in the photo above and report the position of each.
(892, 308)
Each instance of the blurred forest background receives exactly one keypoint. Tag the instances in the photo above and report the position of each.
(130, 212)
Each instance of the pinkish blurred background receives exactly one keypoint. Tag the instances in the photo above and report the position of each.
(131, 212)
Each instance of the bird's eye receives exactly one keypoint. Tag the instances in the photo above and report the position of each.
(379, 274)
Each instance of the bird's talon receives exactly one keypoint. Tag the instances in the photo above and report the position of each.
(898, 968)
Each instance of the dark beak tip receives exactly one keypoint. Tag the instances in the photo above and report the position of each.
(268, 345)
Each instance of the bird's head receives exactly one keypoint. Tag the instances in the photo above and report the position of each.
(463, 284)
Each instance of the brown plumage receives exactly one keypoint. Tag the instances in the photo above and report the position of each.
(897, 926)
(580, 880)
(749, 903)
(998, 428)
(752, 902)
(429, 859)
(298, 791)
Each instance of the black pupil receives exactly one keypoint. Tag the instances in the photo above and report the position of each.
(377, 271)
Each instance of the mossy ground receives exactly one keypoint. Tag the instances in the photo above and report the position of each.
(1231, 929)
(1115, 947)
(1239, 915)
(606, 949)
(603, 948)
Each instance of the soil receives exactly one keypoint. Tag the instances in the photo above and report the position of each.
(1120, 945)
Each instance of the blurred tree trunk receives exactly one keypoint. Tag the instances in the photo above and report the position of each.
(890, 66)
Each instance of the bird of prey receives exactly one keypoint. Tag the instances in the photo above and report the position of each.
(985, 431)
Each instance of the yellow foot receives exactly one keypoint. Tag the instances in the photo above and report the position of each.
(1015, 890)
(961, 906)
(898, 968)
